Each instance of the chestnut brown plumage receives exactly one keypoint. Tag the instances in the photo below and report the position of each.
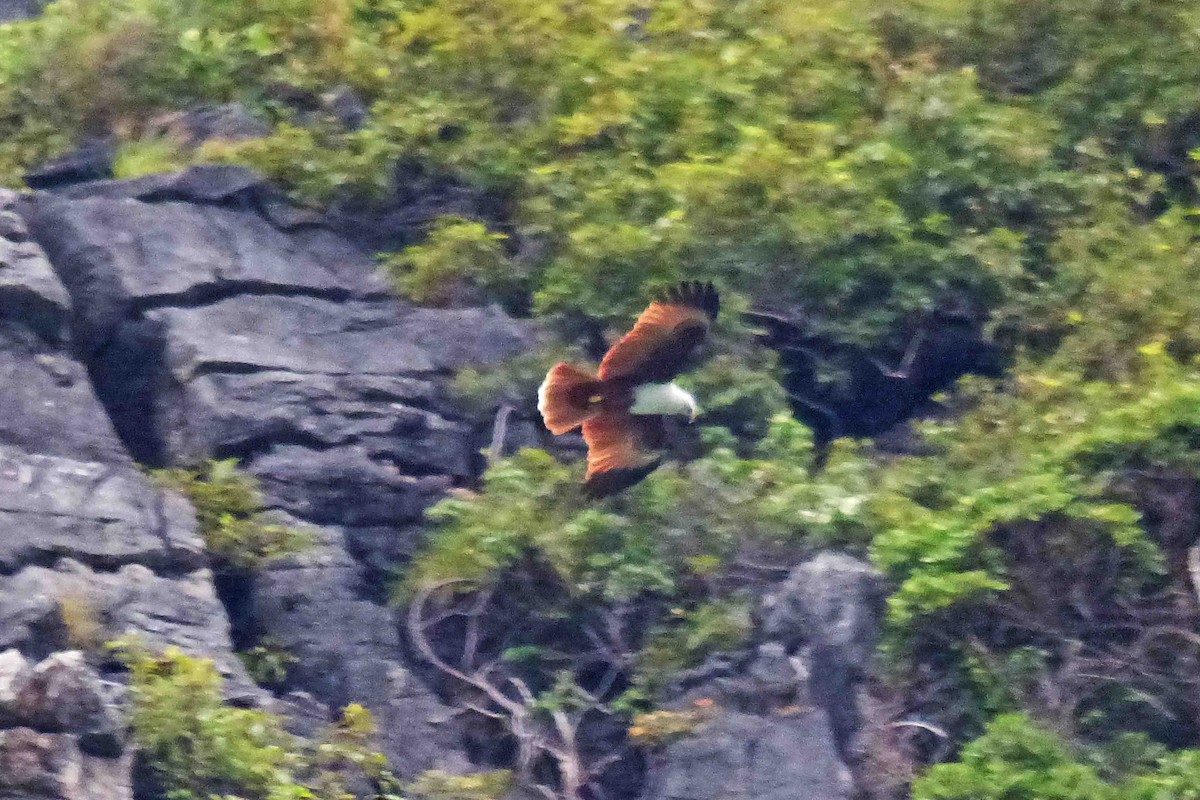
(622, 406)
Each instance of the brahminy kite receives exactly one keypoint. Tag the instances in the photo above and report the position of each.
(622, 407)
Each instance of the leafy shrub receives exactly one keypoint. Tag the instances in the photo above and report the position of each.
(669, 527)
(1014, 760)
(1046, 453)
(198, 747)
(740, 394)
(1124, 285)
(1017, 760)
(267, 662)
(686, 538)
(317, 163)
(457, 249)
(1177, 777)
(762, 148)
(139, 157)
(438, 785)
(689, 637)
(229, 511)
(1021, 511)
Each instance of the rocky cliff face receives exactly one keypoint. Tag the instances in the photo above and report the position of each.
(175, 318)
(11, 10)
(80, 528)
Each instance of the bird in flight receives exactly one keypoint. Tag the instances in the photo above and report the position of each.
(873, 398)
(623, 406)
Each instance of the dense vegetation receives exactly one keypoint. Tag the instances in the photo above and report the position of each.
(197, 747)
(853, 158)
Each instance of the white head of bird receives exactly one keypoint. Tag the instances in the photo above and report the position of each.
(664, 398)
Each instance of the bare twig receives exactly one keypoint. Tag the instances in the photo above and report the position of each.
(515, 704)
(925, 726)
(473, 616)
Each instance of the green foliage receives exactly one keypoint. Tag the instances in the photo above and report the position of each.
(815, 151)
(690, 636)
(855, 157)
(740, 394)
(1018, 502)
(683, 536)
(1176, 778)
(1043, 456)
(139, 157)
(267, 662)
(1017, 760)
(199, 748)
(457, 249)
(229, 511)
(678, 523)
(438, 785)
(342, 761)
(318, 163)
(1014, 760)
(528, 497)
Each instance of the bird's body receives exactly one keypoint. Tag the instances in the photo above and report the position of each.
(647, 399)
(623, 405)
(663, 398)
(872, 398)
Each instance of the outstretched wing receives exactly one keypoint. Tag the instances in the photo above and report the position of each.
(620, 451)
(776, 330)
(665, 335)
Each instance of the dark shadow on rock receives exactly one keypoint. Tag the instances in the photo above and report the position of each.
(90, 161)
(128, 377)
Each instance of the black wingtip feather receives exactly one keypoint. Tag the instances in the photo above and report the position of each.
(698, 294)
(777, 331)
(606, 484)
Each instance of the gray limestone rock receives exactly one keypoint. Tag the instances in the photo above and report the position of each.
(79, 524)
(181, 610)
(832, 601)
(828, 613)
(226, 122)
(48, 404)
(91, 160)
(62, 737)
(103, 515)
(51, 766)
(14, 10)
(210, 329)
(30, 292)
(737, 756)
